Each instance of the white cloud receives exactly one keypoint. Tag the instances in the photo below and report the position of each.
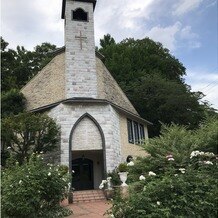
(30, 23)
(190, 38)
(165, 35)
(121, 18)
(126, 18)
(175, 36)
(186, 33)
(185, 6)
(206, 82)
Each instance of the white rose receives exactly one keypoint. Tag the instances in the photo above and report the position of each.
(208, 162)
(182, 170)
(158, 203)
(131, 163)
(141, 178)
(151, 173)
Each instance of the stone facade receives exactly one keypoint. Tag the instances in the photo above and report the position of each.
(107, 117)
(86, 136)
(81, 79)
(48, 85)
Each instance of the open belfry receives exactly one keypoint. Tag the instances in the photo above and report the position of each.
(99, 125)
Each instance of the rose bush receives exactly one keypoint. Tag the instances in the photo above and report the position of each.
(176, 179)
(33, 189)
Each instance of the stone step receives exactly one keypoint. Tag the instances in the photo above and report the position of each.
(88, 196)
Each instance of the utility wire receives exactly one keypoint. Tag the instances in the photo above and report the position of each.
(212, 83)
(210, 89)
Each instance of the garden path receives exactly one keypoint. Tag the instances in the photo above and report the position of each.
(95, 209)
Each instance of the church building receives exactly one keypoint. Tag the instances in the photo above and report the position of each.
(99, 125)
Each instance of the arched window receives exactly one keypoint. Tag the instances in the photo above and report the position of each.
(80, 15)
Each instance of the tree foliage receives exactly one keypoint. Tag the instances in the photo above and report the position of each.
(12, 102)
(130, 57)
(20, 65)
(153, 81)
(26, 133)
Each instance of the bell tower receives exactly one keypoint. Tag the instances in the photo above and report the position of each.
(80, 65)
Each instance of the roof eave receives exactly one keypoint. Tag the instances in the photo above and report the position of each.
(91, 100)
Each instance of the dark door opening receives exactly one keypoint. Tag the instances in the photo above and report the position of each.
(83, 174)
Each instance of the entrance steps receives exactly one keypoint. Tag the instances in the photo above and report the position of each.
(88, 196)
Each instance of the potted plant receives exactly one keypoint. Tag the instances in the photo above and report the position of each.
(123, 173)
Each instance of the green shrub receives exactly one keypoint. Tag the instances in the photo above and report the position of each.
(115, 180)
(177, 179)
(206, 137)
(191, 191)
(122, 167)
(33, 189)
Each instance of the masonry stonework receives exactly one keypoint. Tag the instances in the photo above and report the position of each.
(86, 136)
(107, 117)
(81, 79)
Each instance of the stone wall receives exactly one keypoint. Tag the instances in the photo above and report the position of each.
(81, 79)
(86, 136)
(47, 86)
(128, 148)
(67, 115)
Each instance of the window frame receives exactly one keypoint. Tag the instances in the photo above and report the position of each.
(135, 131)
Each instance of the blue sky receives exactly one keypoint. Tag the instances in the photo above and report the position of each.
(188, 28)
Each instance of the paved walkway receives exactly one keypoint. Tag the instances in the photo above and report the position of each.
(89, 210)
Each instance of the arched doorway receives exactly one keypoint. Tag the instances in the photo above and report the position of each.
(87, 153)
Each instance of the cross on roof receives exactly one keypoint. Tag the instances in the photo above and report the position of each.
(81, 38)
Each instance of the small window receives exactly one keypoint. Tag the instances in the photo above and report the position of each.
(130, 131)
(80, 15)
(136, 132)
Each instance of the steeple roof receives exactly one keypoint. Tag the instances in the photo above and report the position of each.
(64, 5)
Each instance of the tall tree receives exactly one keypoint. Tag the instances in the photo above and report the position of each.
(152, 79)
(107, 41)
(20, 65)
